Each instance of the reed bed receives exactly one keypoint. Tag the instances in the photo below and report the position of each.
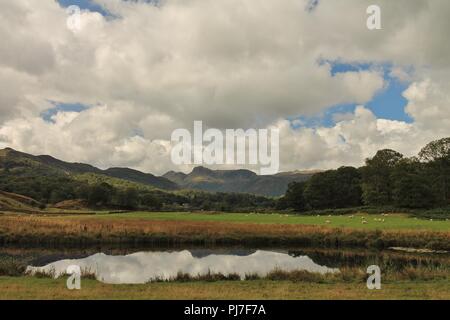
(350, 275)
(50, 231)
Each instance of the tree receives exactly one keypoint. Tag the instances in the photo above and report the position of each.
(436, 155)
(128, 198)
(100, 194)
(376, 177)
(436, 150)
(347, 188)
(334, 189)
(61, 194)
(150, 201)
(319, 191)
(411, 188)
(293, 198)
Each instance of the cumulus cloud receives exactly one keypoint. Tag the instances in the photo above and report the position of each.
(429, 105)
(149, 68)
(349, 142)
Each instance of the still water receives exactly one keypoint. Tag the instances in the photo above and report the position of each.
(142, 267)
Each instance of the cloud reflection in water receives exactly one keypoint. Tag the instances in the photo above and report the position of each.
(142, 267)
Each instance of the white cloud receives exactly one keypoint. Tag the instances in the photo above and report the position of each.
(230, 63)
(349, 142)
(429, 105)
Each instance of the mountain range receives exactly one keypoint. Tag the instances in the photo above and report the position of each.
(201, 178)
(240, 181)
(12, 158)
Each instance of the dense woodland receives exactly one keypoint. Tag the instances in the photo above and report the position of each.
(100, 195)
(387, 179)
(50, 189)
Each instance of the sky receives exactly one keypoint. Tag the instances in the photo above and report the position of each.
(111, 92)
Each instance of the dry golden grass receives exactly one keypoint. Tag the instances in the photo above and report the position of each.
(57, 225)
(33, 288)
(42, 229)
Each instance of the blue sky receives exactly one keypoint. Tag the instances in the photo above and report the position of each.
(76, 107)
(83, 4)
(147, 71)
(387, 104)
(92, 6)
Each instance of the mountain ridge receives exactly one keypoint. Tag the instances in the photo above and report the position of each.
(240, 180)
(200, 178)
(83, 168)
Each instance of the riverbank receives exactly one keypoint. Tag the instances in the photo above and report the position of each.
(44, 288)
(157, 229)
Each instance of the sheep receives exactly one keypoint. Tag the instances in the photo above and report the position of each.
(364, 222)
(328, 222)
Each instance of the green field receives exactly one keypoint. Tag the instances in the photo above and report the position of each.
(391, 222)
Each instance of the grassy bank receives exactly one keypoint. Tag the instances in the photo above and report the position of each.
(44, 288)
(227, 229)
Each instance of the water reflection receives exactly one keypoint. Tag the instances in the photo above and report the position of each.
(142, 267)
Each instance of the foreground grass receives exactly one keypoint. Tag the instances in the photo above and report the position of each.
(168, 228)
(43, 288)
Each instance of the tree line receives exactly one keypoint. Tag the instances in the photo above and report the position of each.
(105, 195)
(387, 179)
(52, 188)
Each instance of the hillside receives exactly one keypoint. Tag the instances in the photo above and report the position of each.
(20, 163)
(140, 177)
(12, 201)
(241, 181)
(32, 175)
(58, 184)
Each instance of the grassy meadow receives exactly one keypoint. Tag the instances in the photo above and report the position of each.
(374, 221)
(360, 230)
(45, 288)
